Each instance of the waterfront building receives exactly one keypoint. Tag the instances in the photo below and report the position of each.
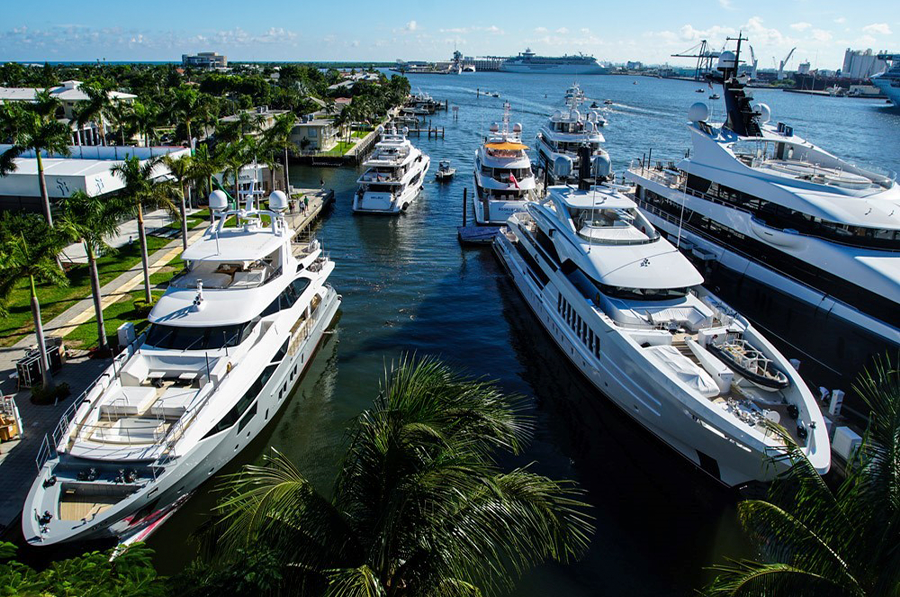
(861, 64)
(210, 60)
(88, 169)
(263, 116)
(314, 133)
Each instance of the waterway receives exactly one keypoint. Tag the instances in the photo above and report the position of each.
(408, 286)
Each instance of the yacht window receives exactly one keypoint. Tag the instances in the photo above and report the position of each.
(190, 338)
(249, 398)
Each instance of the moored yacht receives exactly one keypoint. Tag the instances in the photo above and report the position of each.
(628, 310)
(504, 180)
(228, 340)
(889, 81)
(394, 176)
(770, 206)
(560, 139)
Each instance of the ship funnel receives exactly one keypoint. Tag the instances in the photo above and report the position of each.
(584, 168)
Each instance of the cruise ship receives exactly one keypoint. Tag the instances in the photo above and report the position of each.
(889, 81)
(773, 208)
(227, 342)
(394, 176)
(529, 62)
(565, 133)
(628, 310)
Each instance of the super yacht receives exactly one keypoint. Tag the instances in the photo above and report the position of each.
(504, 180)
(889, 81)
(560, 139)
(769, 206)
(630, 312)
(394, 175)
(227, 342)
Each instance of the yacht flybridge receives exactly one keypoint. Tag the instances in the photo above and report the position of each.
(504, 180)
(228, 340)
(782, 211)
(559, 141)
(628, 309)
(394, 175)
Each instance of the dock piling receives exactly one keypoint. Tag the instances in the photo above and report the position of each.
(465, 197)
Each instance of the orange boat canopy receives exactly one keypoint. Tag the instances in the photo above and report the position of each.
(506, 145)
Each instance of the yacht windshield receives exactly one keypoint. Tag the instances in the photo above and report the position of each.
(184, 338)
(612, 226)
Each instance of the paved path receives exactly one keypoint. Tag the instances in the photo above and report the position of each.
(17, 466)
(300, 219)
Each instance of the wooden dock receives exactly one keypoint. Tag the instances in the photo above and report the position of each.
(300, 216)
(476, 235)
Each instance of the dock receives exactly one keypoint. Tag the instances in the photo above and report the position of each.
(476, 235)
(301, 216)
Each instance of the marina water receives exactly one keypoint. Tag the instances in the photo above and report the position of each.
(408, 286)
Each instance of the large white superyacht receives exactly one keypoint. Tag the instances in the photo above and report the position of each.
(770, 206)
(889, 81)
(504, 180)
(628, 310)
(227, 341)
(394, 175)
(566, 131)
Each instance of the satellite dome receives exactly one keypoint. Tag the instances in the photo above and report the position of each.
(278, 201)
(557, 115)
(562, 166)
(380, 130)
(218, 200)
(589, 126)
(405, 131)
(495, 128)
(726, 60)
(601, 167)
(765, 113)
(698, 112)
(517, 127)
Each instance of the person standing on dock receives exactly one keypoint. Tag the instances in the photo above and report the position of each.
(306, 204)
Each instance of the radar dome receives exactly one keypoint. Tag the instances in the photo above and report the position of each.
(765, 113)
(589, 126)
(495, 128)
(405, 131)
(698, 112)
(218, 200)
(517, 127)
(562, 166)
(601, 167)
(380, 130)
(278, 201)
(557, 115)
(726, 60)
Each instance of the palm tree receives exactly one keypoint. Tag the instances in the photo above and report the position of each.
(234, 158)
(97, 107)
(122, 115)
(419, 507)
(182, 170)
(29, 246)
(90, 220)
(819, 541)
(34, 127)
(279, 138)
(144, 116)
(188, 106)
(206, 164)
(142, 192)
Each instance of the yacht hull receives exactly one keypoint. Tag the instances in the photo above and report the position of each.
(652, 399)
(383, 203)
(553, 69)
(145, 509)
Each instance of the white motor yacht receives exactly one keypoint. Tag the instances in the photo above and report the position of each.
(504, 180)
(889, 81)
(628, 310)
(559, 141)
(773, 207)
(227, 342)
(394, 175)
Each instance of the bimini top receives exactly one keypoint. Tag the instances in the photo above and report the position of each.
(234, 244)
(599, 197)
(506, 146)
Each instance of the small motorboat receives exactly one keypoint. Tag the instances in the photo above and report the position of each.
(714, 96)
(750, 363)
(595, 105)
(495, 94)
(444, 172)
(700, 90)
(608, 102)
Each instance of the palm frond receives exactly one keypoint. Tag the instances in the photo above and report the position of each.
(755, 579)
(354, 582)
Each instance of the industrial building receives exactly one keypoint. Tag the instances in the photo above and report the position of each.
(861, 64)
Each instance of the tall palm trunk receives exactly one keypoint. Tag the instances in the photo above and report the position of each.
(183, 210)
(287, 178)
(95, 294)
(142, 234)
(45, 197)
(44, 362)
(187, 123)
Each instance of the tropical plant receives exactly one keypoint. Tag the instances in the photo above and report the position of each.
(188, 106)
(144, 117)
(29, 247)
(182, 170)
(142, 191)
(33, 126)
(206, 164)
(419, 507)
(96, 108)
(279, 138)
(817, 541)
(235, 156)
(95, 574)
(90, 220)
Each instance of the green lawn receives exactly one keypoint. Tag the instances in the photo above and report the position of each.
(340, 149)
(56, 299)
(85, 335)
(359, 134)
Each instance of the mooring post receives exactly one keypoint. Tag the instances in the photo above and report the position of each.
(465, 196)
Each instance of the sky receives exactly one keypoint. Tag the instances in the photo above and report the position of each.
(356, 30)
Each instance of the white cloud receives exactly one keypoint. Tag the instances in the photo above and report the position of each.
(840, 20)
(820, 35)
(562, 31)
(540, 30)
(802, 26)
(726, 4)
(877, 28)
(411, 26)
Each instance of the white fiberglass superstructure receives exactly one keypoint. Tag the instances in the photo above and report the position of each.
(504, 180)
(565, 133)
(394, 175)
(765, 203)
(628, 310)
(228, 340)
(889, 81)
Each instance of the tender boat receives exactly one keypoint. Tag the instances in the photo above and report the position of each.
(228, 340)
(714, 96)
(503, 177)
(394, 175)
(445, 172)
(629, 311)
(749, 362)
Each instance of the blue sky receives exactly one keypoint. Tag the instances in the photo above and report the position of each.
(355, 30)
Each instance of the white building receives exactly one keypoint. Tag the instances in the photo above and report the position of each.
(803, 68)
(861, 64)
(88, 168)
(205, 60)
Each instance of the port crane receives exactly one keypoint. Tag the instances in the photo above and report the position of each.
(783, 64)
(753, 63)
(704, 55)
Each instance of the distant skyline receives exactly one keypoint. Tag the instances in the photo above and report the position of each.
(352, 30)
